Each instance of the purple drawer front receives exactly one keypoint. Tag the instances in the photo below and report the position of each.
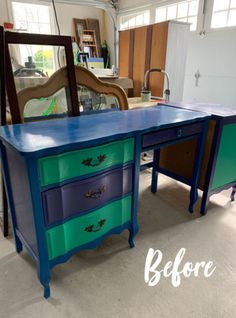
(159, 137)
(81, 196)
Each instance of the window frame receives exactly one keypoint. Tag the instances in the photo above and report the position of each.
(226, 27)
(133, 14)
(36, 2)
(51, 21)
(166, 4)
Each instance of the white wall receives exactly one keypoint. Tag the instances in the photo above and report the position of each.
(4, 16)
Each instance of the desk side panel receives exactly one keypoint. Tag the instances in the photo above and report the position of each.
(225, 169)
(22, 198)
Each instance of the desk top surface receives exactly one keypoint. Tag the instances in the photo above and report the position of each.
(217, 110)
(50, 134)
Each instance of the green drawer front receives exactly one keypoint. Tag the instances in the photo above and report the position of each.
(87, 228)
(225, 171)
(57, 168)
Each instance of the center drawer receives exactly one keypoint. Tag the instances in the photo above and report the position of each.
(58, 168)
(159, 137)
(85, 195)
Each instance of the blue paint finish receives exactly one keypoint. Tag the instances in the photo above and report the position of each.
(35, 140)
(43, 261)
(83, 196)
(156, 159)
(211, 166)
(22, 198)
(38, 137)
(222, 115)
(197, 166)
(9, 194)
(136, 169)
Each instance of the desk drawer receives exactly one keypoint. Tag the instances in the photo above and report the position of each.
(87, 228)
(58, 168)
(159, 137)
(81, 196)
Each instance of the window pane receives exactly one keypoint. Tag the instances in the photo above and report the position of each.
(19, 11)
(232, 18)
(182, 10)
(193, 8)
(139, 19)
(193, 21)
(21, 25)
(160, 14)
(171, 12)
(132, 22)
(221, 5)
(43, 14)
(233, 4)
(33, 28)
(44, 28)
(31, 13)
(146, 17)
(124, 25)
(219, 19)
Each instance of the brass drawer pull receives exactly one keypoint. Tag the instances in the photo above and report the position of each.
(95, 194)
(93, 228)
(88, 162)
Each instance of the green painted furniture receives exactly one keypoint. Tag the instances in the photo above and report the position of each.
(72, 164)
(80, 230)
(218, 170)
(73, 182)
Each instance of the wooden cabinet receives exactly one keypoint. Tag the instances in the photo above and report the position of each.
(160, 45)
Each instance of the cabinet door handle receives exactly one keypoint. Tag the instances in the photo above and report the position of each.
(95, 194)
(95, 228)
(89, 161)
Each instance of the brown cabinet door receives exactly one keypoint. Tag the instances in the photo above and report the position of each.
(124, 53)
(141, 49)
(158, 57)
(140, 36)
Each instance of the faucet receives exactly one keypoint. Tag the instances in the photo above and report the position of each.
(167, 90)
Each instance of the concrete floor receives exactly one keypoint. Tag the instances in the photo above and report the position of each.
(108, 282)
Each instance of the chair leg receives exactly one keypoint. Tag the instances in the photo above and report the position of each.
(5, 222)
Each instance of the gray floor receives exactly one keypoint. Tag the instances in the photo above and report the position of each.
(108, 281)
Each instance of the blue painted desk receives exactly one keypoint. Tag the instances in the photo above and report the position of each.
(72, 182)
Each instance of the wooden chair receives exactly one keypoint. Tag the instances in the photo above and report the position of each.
(59, 80)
